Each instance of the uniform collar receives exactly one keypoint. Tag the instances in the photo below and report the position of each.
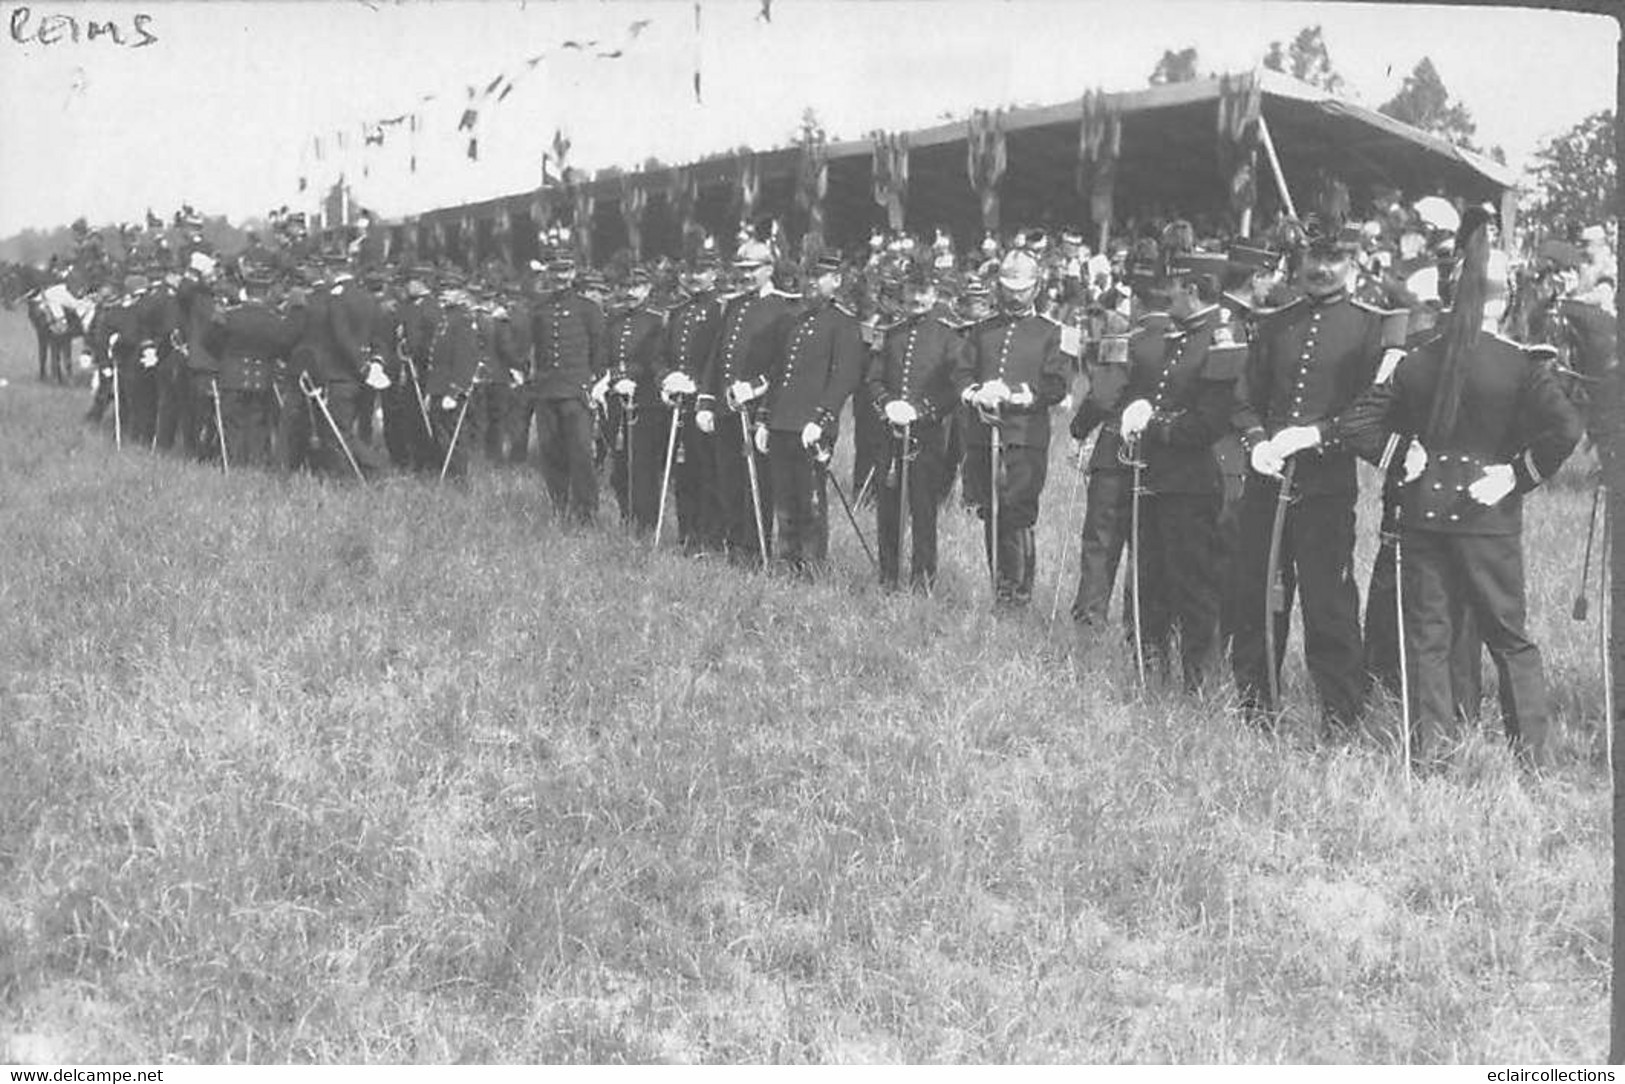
(1340, 294)
(1199, 319)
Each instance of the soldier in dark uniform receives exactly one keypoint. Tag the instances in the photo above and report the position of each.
(567, 331)
(333, 352)
(1014, 373)
(810, 381)
(1492, 423)
(735, 378)
(911, 389)
(1178, 406)
(691, 332)
(628, 395)
(1106, 513)
(1309, 362)
(411, 442)
(246, 340)
(161, 329)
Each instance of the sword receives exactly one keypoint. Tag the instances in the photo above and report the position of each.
(903, 516)
(994, 447)
(417, 384)
(315, 394)
(755, 485)
(1135, 493)
(220, 426)
(456, 431)
(1404, 654)
(821, 460)
(118, 419)
(665, 476)
(863, 490)
(1274, 590)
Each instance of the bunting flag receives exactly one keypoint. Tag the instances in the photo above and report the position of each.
(634, 202)
(413, 124)
(585, 205)
(682, 196)
(698, 45)
(1100, 138)
(749, 188)
(1240, 106)
(890, 170)
(766, 13)
(812, 184)
(985, 161)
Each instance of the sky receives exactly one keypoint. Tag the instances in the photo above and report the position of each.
(221, 110)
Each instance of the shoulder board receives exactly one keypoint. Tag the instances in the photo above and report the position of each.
(1240, 306)
(844, 311)
(1046, 317)
(1291, 307)
(1377, 309)
(1541, 352)
(945, 322)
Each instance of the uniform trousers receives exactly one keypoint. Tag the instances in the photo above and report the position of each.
(638, 443)
(1022, 470)
(733, 492)
(1317, 557)
(173, 409)
(248, 415)
(564, 439)
(1105, 528)
(1179, 591)
(1443, 572)
(800, 502)
(926, 461)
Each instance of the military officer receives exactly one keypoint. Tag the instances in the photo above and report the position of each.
(1308, 363)
(627, 395)
(246, 339)
(808, 384)
(567, 331)
(1011, 377)
(691, 332)
(1483, 421)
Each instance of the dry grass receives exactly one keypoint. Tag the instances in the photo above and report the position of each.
(300, 772)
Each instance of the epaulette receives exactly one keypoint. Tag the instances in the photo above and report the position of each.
(1262, 314)
(1051, 319)
(945, 322)
(1541, 352)
(842, 309)
(1374, 309)
(1240, 306)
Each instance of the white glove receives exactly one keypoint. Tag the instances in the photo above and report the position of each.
(676, 384)
(625, 387)
(1416, 461)
(86, 361)
(968, 396)
(149, 357)
(741, 392)
(1023, 396)
(705, 421)
(516, 378)
(600, 391)
(1136, 416)
(992, 395)
(449, 403)
(811, 434)
(1296, 438)
(761, 439)
(900, 413)
(1390, 361)
(1496, 484)
(1267, 459)
(376, 378)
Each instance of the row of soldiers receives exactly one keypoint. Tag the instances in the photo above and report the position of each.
(722, 384)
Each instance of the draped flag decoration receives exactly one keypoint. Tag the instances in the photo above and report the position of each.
(890, 168)
(812, 184)
(1240, 104)
(683, 196)
(634, 202)
(985, 161)
(504, 234)
(585, 206)
(1100, 141)
(468, 240)
(698, 100)
(749, 188)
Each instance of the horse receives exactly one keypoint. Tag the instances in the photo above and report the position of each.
(1583, 335)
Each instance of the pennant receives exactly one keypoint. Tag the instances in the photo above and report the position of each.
(470, 117)
(492, 86)
(535, 60)
(613, 55)
(766, 14)
(507, 90)
(473, 148)
(375, 138)
(698, 43)
(638, 27)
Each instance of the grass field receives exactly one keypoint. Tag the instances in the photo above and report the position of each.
(293, 771)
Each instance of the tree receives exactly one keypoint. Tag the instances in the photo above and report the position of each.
(1423, 102)
(1175, 67)
(1574, 177)
(1306, 59)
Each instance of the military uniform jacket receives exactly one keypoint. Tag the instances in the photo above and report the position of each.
(916, 361)
(1018, 349)
(821, 365)
(464, 353)
(116, 331)
(634, 341)
(160, 319)
(316, 353)
(513, 334)
(751, 332)
(1512, 411)
(247, 340)
(418, 319)
(1307, 364)
(1190, 389)
(352, 310)
(1103, 404)
(691, 335)
(567, 335)
(196, 305)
